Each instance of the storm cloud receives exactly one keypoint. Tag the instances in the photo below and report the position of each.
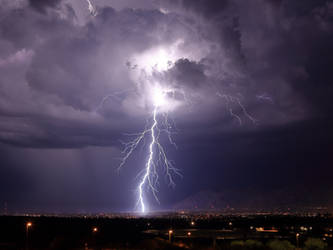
(58, 63)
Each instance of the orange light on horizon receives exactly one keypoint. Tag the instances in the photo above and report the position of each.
(29, 224)
(95, 229)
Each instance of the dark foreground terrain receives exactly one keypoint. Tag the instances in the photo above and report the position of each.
(168, 231)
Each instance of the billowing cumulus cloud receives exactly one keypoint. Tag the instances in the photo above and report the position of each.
(72, 80)
(72, 67)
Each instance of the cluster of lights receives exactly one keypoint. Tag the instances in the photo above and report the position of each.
(29, 225)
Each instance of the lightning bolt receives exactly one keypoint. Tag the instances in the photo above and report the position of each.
(146, 177)
(159, 124)
(235, 100)
(92, 9)
(152, 65)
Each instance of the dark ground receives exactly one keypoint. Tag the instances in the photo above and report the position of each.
(131, 232)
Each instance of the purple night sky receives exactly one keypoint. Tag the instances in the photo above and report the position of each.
(60, 143)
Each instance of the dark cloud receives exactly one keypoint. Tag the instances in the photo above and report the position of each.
(74, 67)
(208, 10)
(186, 73)
(42, 5)
(272, 58)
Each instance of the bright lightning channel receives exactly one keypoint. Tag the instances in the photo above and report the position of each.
(157, 154)
(160, 59)
(92, 9)
(149, 163)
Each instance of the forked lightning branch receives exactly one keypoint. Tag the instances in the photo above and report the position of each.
(161, 100)
(157, 156)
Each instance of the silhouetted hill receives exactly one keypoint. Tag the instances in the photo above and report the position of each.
(255, 199)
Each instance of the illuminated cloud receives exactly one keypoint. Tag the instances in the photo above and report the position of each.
(70, 81)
